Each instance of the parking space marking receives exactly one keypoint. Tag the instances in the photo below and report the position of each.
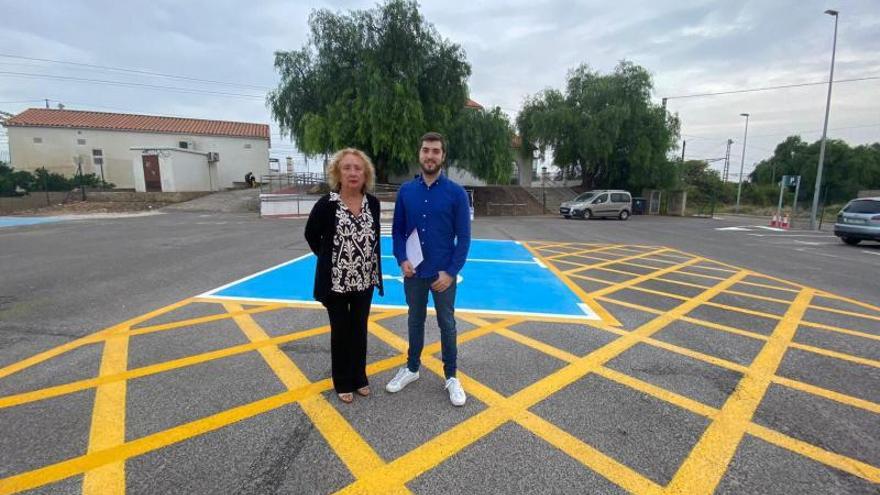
(701, 471)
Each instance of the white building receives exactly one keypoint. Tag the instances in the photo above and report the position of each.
(141, 152)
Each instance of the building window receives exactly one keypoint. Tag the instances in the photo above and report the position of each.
(98, 158)
(183, 144)
(81, 142)
(38, 140)
(247, 146)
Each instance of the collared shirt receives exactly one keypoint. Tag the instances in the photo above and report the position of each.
(354, 260)
(441, 213)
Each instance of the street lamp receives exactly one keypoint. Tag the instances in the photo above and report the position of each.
(824, 129)
(543, 193)
(742, 161)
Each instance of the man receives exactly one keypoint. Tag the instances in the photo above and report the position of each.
(438, 210)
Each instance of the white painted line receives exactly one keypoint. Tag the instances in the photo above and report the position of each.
(218, 289)
(263, 300)
(542, 265)
(875, 253)
(588, 311)
(485, 260)
(775, 229)
(734, 228)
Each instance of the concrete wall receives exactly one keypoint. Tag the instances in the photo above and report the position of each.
(60, 146)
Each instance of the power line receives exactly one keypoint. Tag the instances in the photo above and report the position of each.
(131, 84)
(134, 71)
(770, 88)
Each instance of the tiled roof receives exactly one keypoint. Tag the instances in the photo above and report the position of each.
(472, 104)
(48, 117)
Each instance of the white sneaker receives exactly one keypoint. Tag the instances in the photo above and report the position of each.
(456, 393)
(403, 378)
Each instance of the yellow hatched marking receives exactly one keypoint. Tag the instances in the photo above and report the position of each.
(606, 316)
(581, 252)
(854, 302)
(89, 339)
(660, 293)
(681, 401)
(746, 311)
(836, 355)
(684, 284)
(708, 461)
(766, 286)
(758, 297)
(724, 328)
(846, 313)
(828, 394)
(197, 321)
(348, 444)
(843, 463)
(642, 278)
(700, 275)
(630, 305)
(618, 260)
(591, 279)
(845, 331)
(108, 421)
(706, 358)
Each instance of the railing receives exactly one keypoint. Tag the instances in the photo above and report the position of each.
(280, 183)
(504, 207)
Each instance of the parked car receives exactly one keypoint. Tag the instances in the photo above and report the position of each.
(859, 221)
(603, 203)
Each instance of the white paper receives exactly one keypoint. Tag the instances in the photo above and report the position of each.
(414, 249)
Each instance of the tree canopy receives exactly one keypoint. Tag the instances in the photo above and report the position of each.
(377, 80)
(605, 126)
(847, 169)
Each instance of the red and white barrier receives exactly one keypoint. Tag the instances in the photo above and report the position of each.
(785, 222)
(774, 222)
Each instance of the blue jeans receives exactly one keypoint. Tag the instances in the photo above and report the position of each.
(416, 290)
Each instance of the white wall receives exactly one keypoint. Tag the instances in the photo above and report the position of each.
(179, 170)
(59, 147)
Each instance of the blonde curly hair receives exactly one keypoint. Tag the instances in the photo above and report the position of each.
(334, 174)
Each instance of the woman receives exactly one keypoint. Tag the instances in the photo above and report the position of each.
(343, 232)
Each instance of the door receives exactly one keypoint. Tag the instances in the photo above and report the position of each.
(600, 205)
(152, 178)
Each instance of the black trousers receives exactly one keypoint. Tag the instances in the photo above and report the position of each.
(348, 338)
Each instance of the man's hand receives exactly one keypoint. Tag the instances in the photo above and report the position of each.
(442, 283)
(407, 269)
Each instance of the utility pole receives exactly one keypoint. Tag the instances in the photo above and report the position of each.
(742, 161)
(824, 128)
(47, 102)
(727, 160)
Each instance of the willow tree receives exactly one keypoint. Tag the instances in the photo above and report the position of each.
(373, 79)
(604, 126)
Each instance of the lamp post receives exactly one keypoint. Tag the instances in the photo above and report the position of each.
(818, 186)
(543, 192)
(742, 161)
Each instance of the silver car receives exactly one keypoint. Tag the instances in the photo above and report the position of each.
(606, 203)
(859, 221)
(583, 198)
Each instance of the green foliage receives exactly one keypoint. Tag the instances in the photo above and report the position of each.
(847, 169)
(14, 182)
(481, 139)
(606, 126)
(377, 80)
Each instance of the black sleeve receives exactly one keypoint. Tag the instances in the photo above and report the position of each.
(317, 225)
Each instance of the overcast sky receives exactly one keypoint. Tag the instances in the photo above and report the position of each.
(516, 48)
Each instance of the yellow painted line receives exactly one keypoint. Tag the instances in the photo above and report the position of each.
(606, 316)
(591, 279)
(614, 270)
(616, 472)
(582, 252)
(700, 275)
(346, 442)
(618, 260)
(716, 268)
(538, 345)
(843, 463)
(108, 421)
(660, 293)
(724, 328)
(708, 461)
(850, 301)
(828, 394)
(198, 321)
(89, 339)
(746, 311)
(642, 278)
(684, 284)
(845, 331)
(681, 401)
(630, 305)
(836, 355)
(759, 297)
(69, 388)
(565, 376)
(773, 287)
(844, 312)
(699, 356)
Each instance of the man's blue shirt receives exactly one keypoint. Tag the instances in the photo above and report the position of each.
(441, 213)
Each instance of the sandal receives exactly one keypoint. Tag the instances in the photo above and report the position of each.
(347, 397)
(364, 391)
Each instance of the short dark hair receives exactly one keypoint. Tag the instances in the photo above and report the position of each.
(434, 136)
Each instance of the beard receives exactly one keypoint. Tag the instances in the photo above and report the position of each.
(431, 168)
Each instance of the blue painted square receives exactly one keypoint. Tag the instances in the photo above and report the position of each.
(21, 221)
(499, 277)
